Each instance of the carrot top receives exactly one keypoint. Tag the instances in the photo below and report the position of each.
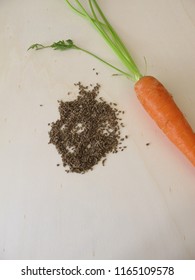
(105, 29)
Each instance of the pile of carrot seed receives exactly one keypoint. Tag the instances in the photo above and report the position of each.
(88, 130)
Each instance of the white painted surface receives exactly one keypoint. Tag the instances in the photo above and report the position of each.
(141, 205)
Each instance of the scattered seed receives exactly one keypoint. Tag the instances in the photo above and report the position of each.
(87, 131)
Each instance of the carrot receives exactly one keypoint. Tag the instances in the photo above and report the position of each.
(159, 104)
(156, 100)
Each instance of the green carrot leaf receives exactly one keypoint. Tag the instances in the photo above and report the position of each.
(60, 45)
(36, 47)
(63, 45)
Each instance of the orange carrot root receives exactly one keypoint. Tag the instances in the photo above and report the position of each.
(159, 104)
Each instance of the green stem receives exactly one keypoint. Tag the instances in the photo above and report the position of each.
(68, 44)
(107, 38)
(105, 62)
(83, 14)
(116, 36)
(108, 33)
(100, 29)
